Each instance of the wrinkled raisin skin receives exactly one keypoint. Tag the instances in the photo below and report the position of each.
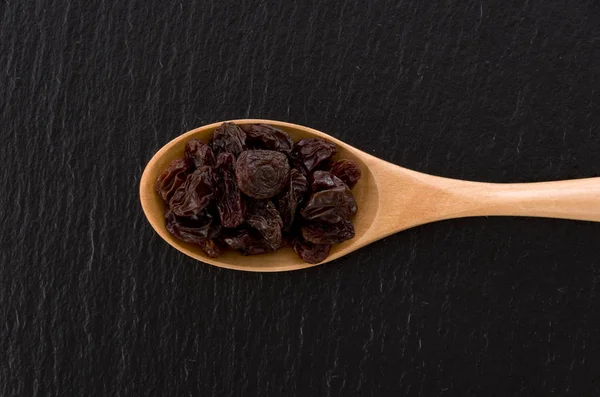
(330, 206)
(228, 138)
(230, 205)
(311, 152)
(319, 233)
(198, 153)
(226, 161)
(347, 170)
(290, 201)
(263, 136)
(248, 242)
(311, 253)
(323, 180)
(264, 218)
(172, 178)
(261, 174)
(195, 194)
(237, 238)
(197, 230)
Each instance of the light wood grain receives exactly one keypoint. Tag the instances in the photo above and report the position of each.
(390, 199)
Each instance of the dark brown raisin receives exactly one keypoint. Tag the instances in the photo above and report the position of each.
(247, 241)
(347, 170)
(319, 233)
(198, 230)
(289, 202)
(211, 248)
(195, 194)
(313, 151)
(323, 180)
(263, 216)
(226, 161)
(261, 174)
(190, 228)
(237, 238)
(228, 198)
(311, 253)
(172, 178)
(295, 162)
(330, 206)
(228, 138)
(199, 153)
(263, 136)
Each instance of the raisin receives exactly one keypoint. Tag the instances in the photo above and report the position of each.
(172, 178)
(261, 174)
(197, 226)
(248, 242)
(313, 151)
(229, 201)
(226, 161)
(295, 162)
(263, 217)
(211, 248)
(228, 138)
(311, 253)
(196, 230)
(330, 206)
(199, 153)
(319, 233)
(322, 180)
(237, 238)
(195, 194)
(263, 136)
(347, 170)
(289, 202)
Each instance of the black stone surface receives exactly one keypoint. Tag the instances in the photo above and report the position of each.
(93, 302)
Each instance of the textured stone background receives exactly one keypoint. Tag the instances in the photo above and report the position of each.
(93, 302)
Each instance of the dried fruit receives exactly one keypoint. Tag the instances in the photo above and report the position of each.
(347, 170)
(229, 138)
(197, 230)
(263, 216)
(322, 180)
(206, 207)
(226, 161)
(198, 153)
(195, 194)
(330, 206)
(237, 238)
(248, 242)
(320, 233)
(211, 248)
(295, 195)
(313, 151)
(229, 200)
(263, 136)
(262, 174)
(295, 162)
(172, 178)
(311, 253)
(190, 228)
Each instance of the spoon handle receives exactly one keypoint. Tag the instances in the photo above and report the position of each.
(419, 198)
(571, 199)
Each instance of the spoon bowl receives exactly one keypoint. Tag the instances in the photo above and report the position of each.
(365, 193)
(390, 198)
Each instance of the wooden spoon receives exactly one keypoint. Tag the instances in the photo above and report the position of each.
(390, 199)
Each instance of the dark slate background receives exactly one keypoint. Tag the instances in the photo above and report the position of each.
(93, 302)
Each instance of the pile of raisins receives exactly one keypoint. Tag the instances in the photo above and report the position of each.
(252, 189)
